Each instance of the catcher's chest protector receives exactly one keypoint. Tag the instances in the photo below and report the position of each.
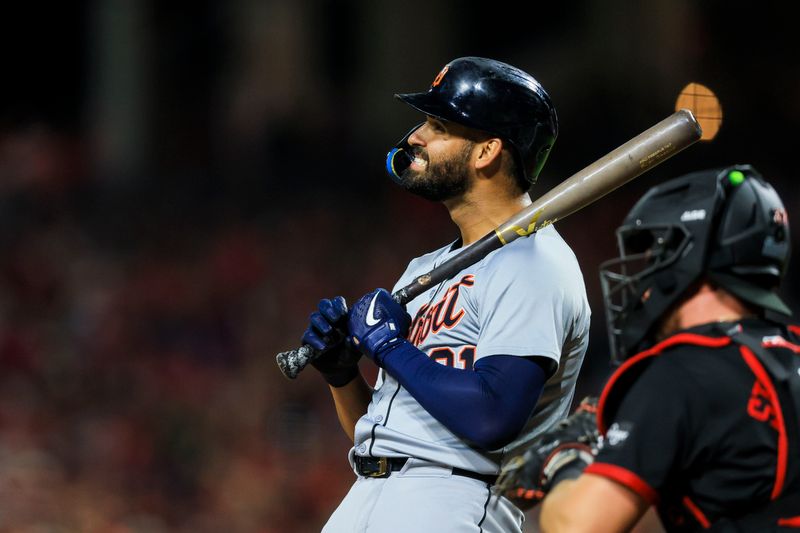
(775, 361)
(783, 510)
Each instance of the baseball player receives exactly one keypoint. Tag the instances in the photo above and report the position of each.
(477, 360)
(701, 419)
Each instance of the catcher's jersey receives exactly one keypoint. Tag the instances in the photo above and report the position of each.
(527, 298)
(695, 426)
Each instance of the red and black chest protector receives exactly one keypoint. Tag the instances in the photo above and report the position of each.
(782, 376)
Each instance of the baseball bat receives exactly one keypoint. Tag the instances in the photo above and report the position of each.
(643, 152)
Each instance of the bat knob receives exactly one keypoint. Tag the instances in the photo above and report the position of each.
(292, 362)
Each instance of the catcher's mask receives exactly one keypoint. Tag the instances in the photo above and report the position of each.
(491, 96)
(727, 226)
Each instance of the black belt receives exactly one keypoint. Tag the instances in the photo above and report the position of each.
(383, 466)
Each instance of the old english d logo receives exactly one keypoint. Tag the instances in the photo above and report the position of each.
(439, 76)
(445, 314)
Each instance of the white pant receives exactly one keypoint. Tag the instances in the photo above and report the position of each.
(422, 498)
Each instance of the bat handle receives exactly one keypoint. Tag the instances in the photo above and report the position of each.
(294, 361)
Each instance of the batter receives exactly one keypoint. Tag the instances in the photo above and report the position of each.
(479, 360)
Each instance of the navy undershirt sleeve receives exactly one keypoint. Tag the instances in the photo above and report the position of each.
(488, 406)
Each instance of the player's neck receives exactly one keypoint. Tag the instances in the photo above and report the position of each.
(707, 305)
(483, 208)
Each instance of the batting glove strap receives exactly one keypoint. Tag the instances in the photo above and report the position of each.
(379, 341)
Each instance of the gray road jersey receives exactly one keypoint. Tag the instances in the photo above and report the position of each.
(527, 298)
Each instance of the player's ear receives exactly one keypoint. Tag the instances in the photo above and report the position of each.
(488, 153)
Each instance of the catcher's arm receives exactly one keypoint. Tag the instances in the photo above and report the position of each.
(551, 470)
(591, 504)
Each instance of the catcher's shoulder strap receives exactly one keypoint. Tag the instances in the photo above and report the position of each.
(783, 511)
(786, 376)
(623, 377)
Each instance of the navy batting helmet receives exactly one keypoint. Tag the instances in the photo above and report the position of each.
(725, 225)
(490, 96)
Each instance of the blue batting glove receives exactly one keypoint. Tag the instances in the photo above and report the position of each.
(338, 362)
(322, 331)
(377, 323)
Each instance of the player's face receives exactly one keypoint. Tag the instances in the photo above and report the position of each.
(440, 169)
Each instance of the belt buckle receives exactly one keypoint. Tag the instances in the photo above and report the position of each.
(366, 466)
(383, 468)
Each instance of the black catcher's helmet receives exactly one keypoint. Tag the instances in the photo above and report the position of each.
(725, 225)
(490, 96)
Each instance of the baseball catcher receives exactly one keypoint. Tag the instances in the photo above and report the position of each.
(700, 419)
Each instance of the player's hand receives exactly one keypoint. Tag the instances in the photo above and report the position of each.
(338, 363)
(561, 453)
(377, 323)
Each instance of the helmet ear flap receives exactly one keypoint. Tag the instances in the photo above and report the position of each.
(537, 162)
(666, 281)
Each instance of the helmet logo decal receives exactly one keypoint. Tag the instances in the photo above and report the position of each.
(439, 76)
(780, 217)
(694, 214)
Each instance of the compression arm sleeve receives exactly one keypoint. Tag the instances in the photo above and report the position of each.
(488, 406)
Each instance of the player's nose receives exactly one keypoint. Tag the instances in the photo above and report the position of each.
(418, 136)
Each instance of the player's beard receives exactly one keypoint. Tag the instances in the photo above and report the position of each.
(441, 180)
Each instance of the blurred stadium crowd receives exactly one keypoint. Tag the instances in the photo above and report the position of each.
(180, 185)
(137, 384)
(138, 388)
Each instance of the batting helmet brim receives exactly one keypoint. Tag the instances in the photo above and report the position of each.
(431, 105)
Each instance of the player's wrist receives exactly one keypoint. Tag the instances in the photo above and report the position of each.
(380, 341)
(342, 377)
(390, 348)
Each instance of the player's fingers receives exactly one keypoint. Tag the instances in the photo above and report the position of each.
(340, 305)
(321, 324)
(334, 309)
(313, 339)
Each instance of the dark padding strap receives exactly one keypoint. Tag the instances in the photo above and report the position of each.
(775, 513)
